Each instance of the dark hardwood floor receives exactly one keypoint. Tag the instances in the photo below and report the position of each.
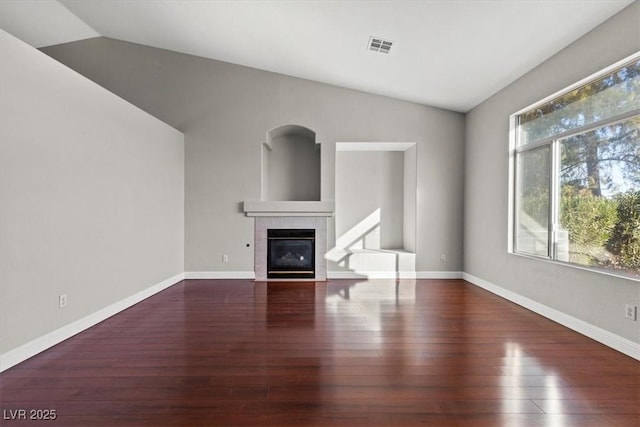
(347, 353)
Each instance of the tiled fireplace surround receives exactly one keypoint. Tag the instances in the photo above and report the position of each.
(289, 215)
(263, 223)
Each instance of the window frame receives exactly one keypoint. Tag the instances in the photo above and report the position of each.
(553, 142)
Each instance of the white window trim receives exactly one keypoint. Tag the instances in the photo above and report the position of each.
(514, 149)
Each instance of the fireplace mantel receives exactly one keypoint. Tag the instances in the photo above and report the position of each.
(289, 208)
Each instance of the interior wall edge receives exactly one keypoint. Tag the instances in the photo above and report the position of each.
(44, 342)
(219, 275)
(40, 344)
(605, 337)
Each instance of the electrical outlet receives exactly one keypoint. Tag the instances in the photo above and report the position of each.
(225, 258)
(630, 312)
(62, 300)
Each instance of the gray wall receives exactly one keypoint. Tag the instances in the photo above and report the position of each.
(366, 181)
(293, 168)
(91, 196)
(225, 111)
(595, 298)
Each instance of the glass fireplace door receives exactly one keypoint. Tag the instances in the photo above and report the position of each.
(290, 253)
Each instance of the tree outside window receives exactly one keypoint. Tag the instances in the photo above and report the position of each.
(588, 204)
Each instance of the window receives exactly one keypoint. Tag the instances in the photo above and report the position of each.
(576, 163)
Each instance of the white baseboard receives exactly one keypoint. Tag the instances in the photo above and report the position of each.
(30, 349)
(438, 274)
(394, 275)
(621, 344)
(219, 275)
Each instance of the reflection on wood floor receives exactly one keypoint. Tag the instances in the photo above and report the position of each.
(347, 353)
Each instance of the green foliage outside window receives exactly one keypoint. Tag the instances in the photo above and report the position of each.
(625, 237)
(590, 221)
(593, 133)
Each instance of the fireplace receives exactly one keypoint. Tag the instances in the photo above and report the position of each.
(275, 218)
(291, 253)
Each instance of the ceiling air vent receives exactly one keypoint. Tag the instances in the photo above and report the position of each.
(378, 44)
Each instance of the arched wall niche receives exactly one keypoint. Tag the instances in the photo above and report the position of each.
(290, 165)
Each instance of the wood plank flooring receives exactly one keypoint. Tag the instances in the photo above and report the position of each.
(337, 353)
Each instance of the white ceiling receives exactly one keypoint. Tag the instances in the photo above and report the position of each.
(451, 54)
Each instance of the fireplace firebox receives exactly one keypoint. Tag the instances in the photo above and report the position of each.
(291, 253)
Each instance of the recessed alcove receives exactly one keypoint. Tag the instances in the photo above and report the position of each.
(290, 179)
(375, 198)
(290, 165)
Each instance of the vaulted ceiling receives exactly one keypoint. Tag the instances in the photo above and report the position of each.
(451, 54)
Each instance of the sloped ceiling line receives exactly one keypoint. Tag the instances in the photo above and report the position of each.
(450, 54)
